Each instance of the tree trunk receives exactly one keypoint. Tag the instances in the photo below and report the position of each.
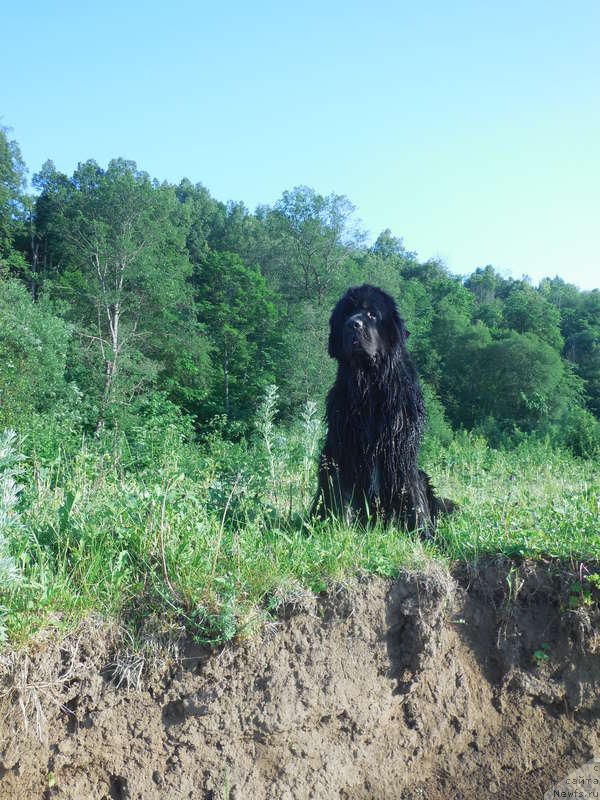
(111, 365)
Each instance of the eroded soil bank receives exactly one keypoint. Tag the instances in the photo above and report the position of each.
(480, 685)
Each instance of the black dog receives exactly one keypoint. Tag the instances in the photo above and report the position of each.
(375, 418)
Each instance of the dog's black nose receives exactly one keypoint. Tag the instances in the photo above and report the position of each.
(355, 322)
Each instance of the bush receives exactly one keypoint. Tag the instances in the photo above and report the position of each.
(33, 348)
(581, 433)
(438, 432)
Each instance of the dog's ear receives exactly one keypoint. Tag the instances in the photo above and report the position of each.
(403, 330)
(400, 331)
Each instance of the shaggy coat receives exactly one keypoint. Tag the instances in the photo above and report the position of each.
(375, 418)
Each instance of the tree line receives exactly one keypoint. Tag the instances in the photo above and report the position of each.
(123, 299)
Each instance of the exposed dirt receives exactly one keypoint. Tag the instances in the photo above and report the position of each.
(425, 687)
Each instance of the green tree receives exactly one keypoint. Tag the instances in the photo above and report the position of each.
(306, 372)
(389, 246)
(527, 311)
(122, 268)
(485, 284)
(207, 220)
(311, 231)
(241, 318)
(583, 348)
(49, 246)
(488, 288)
(459, 345)
(580, 326)
(521, 381)
(12, 207)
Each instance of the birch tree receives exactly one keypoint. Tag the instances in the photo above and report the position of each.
(124, 269)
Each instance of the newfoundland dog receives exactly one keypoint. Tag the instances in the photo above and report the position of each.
(375, 417)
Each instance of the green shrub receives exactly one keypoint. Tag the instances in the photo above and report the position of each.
(33, 352)
(438, 433)
(580, 432)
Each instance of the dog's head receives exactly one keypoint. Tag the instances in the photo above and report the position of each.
(365, 326)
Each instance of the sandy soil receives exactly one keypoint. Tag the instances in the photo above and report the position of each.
(425, 687)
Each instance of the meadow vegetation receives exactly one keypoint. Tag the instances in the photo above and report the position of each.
(167, 534)
(150, 471)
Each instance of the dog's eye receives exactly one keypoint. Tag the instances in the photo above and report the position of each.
(371, 315)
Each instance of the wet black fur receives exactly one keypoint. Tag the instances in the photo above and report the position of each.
(375, 418)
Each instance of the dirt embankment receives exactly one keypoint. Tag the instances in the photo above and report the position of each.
(482, 685)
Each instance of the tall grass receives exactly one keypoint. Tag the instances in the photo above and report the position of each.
(161, 532)
(531, 501)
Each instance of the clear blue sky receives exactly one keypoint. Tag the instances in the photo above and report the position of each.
(471, 129)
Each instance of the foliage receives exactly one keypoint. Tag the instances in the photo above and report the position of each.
(520, 381)
(313, 229)
(580, 432)
(121, 274)
(242, 323)
(33, 353)
(168, 289)
(437, 429)
(12, 196)
(527, 311)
